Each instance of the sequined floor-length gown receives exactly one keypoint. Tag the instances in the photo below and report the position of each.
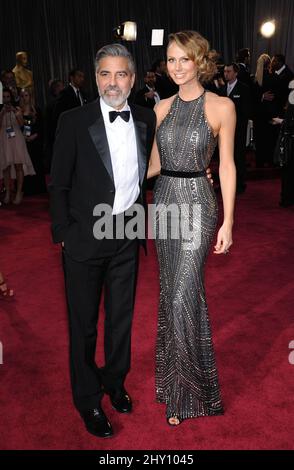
(186, 374)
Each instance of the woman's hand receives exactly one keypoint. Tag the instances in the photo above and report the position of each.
(209, 176)
(224, 240)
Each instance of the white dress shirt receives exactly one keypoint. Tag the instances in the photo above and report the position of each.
(124, 158)
(230, 86)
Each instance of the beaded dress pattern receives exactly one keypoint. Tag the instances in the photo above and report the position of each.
(186, 374)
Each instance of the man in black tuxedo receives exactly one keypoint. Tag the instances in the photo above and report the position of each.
(71, 96)
(148, 96)
(239, 93)
(282, 76)
(243, 61)
(100, 160)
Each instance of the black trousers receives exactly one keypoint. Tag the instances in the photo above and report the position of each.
(117, 273)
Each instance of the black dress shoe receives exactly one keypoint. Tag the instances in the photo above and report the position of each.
(121, 401)
(96, 422)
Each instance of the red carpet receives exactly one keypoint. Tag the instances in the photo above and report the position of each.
(250, 296)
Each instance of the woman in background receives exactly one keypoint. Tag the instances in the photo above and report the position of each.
(33, 134)
(15, 161)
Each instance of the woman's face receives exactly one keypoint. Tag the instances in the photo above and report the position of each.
(6, 98)
(180, 68)
(25, 97)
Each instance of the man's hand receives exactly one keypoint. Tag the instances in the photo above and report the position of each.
(150, 94)
(209, 175)
(268, 96)
(276, 121)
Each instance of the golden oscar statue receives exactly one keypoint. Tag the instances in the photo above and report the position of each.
(23, 76)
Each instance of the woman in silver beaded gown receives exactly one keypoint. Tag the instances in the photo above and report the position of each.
(187, 128)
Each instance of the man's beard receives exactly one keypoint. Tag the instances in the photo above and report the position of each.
(114, 101)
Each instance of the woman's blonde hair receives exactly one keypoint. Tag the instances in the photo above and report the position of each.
(198, 50)
(262, 60)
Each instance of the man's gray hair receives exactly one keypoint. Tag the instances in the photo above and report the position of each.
(115, 50)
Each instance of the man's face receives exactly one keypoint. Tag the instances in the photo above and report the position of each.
(230, 74)
(275, 64)
(78, 79)
(150, 79)
(114, 80)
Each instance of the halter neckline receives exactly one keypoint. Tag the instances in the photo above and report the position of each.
(190, 101)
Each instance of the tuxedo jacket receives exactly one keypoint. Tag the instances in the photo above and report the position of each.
(241, 97)
(278, 85)
(82, 175)
(67, 100)
(244, 75)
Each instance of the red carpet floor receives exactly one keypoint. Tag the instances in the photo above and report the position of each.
(251, 301)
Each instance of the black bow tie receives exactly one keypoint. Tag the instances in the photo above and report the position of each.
(125, 115)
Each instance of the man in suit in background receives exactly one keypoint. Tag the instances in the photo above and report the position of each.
(239, 93)
(71, 96)
(282, 76)
(56, 87)
(100, 158)
(243, 61)
(148, 96)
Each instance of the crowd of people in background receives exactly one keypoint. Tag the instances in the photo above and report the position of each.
(27, 133)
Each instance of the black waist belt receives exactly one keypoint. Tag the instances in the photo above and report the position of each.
(182, 174)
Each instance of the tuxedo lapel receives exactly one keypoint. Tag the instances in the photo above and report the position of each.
(98, 135)
(141, 139)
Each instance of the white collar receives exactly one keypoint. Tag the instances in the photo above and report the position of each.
(278, 72)
(231, 85)
(74, 88)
